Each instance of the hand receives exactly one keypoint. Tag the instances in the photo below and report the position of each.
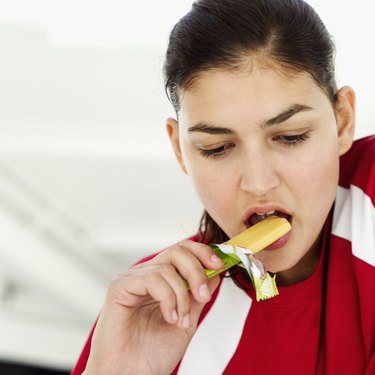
(149, 315)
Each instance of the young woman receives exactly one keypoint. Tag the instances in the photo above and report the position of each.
(261, 129)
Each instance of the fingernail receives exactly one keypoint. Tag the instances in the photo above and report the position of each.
(215, 259)
(186, 321)
(174, 316)
(204, 292)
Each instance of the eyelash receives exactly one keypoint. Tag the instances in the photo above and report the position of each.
(216, 152)
(292, 140)
(287, 140)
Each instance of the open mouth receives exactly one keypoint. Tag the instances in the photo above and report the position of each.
(259, 216)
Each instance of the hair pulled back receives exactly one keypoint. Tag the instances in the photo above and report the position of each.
(223, 33)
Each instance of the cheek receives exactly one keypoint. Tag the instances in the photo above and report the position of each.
(214, 186)
(209, 185)
(315, 181)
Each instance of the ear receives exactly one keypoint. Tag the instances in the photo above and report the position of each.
(173, 132)
(345, 118)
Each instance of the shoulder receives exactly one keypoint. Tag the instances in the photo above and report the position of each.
(357, 166)
(354, 209)
(362, 148)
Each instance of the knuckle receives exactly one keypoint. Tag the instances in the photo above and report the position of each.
(184, 243)
(114, 288)
(115, 284)
(168, 296)
(168, 254)
(166, 269)
(153, 278)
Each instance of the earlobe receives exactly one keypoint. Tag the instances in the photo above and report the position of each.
(345, 118)
(173, 133)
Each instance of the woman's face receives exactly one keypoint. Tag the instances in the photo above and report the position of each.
(260, 143)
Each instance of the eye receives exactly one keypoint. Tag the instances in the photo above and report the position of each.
(292, 140)
(217, 151)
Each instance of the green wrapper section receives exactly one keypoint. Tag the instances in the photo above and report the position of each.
(265, 287)
(264, 284)
(229, 260)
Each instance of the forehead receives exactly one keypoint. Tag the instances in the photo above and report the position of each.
(253, 75)
(258, 92)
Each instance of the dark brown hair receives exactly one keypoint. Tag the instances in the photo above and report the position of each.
(224, 33)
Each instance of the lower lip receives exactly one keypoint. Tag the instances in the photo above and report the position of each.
(279, 243)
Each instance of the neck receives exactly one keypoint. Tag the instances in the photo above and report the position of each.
(304, 268)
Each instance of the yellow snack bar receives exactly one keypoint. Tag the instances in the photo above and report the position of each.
(262, 234)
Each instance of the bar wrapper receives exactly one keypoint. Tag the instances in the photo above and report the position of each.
(264, 284)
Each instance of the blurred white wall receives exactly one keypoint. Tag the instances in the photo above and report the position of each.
(88, 183)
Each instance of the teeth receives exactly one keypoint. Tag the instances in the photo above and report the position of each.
(256, 217)
(264, 215)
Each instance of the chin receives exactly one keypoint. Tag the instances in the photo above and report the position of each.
(279, 267)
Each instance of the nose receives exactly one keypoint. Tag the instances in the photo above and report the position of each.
(259, 175)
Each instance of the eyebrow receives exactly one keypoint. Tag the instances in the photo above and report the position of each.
(280, 118)
(210, 129)
(285, 115)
